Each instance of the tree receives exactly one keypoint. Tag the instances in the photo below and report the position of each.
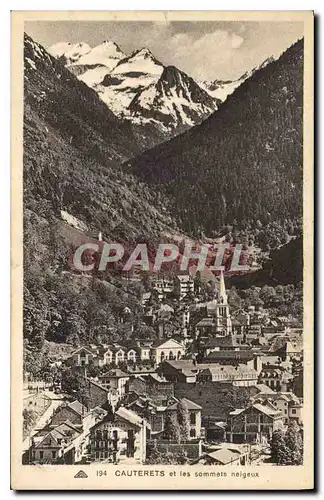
(294, 442)
(171, 427)
(234, 299)
(74, 384)
(279, 450)
(287, 447)
(183, 420)
(165, 457)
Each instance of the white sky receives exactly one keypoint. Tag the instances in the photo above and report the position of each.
(204, 50)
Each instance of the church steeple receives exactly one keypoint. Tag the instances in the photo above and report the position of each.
(223, 317)
(222, 295)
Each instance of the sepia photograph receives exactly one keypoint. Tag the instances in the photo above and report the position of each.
(162, 185)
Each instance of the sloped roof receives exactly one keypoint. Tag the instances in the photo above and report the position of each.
(129, 415)
(54, 435)
(184, 277)
(206, 322)
(160, 343)
(158, 378)
(114, 373)
(264, 389)
(266, 409)
(88, 349)
(241, 355)
(78, 407)
(182, 364)
(224, 456)
(190, 405)
(65, 427)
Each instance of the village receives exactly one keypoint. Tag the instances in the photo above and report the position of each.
(214, 392)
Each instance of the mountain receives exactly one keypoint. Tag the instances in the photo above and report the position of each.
(285, 266)
(73, 147)
(175, 98)
(244, 162)
(221, 89)
(131, 75)
(139, 88)
(69, 52)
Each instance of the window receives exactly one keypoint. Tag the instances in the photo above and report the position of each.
(41, 455)
(192, 433)
(53, 454)
(192, 418)
(293, 411)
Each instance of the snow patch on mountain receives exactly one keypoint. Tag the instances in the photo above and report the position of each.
(106, 54)
(73, 221)
(71, 51)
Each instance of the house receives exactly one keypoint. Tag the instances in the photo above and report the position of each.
(286, 402)
(228, 343)
(261, 389)
(183, 285)
(99, 355)
(163, 288)
(194, 416)
(153, 410)
(119, 437)
(170, 349)
(145, 298)
(206, 327)
(114, 379)
(234, 357)
(98, 395)
(290, 350)
(74, 412)
(239, 329)
(253, 332)
(144, 350)
(183, 370)
(240, 375)
(276, 377)
(152, 385)
(215, 430)
(48, 445)
(253, 424)
(82, 356)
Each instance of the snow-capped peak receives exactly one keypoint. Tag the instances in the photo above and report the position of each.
(71, 51)
(143, 52)
(140, 61)
(106, 54)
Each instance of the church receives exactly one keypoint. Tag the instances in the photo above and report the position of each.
(218, 322)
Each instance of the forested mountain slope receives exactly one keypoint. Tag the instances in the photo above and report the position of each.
(245, 161)
(74, 188)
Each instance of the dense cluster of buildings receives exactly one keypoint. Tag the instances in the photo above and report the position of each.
(140, 386)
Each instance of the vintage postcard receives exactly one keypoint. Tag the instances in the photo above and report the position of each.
(162, 250)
